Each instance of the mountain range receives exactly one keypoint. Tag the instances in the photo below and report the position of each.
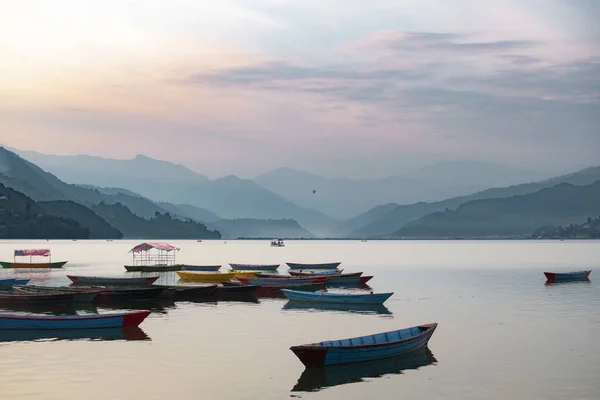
(284, 202)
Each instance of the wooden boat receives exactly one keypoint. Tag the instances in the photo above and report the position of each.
(348, 281)
(153, 257)
(212, 268)
(553, 277)
(332, 265)
(92, 321)
(111, 295)
(32, 253)
(330, 277)
(229, 288)
(244, 274)
(153, 268)
(313, 272)
(255, 267)
(295, 286)
(17, 296)
(29, 335)
(365, 348)
(80, 296)
(314, 379)
(184, 292)
(110, 281)
(205, 276)
(343, 298)
(6, 284)
(281, 281)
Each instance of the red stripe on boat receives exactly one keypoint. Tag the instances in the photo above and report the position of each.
(135, 318)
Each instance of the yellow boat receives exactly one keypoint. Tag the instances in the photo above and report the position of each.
(206, 276)
(244, 274)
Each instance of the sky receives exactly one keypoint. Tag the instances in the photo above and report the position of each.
(339, 87)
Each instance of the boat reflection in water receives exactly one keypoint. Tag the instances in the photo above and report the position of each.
(98, 334)
(353, 308)
(318, 378)
(160, 306)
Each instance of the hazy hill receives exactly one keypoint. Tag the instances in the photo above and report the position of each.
(98, 227)
(344, 198)
(387, 223)
(189, 211)
(144, 175)
(23, 218)
(232, 197)
(366, 218)
(260, 228)
(162, 226)
(509, 217)
(589, 229)
(229, 197)
(40, 185)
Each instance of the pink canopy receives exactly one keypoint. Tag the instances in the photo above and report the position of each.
(153, 245)
(33, 252)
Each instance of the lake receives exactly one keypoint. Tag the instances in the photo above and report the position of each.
(502, 334)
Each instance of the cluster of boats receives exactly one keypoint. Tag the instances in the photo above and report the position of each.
(305, 285)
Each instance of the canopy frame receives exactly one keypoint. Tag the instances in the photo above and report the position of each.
(154, 254)
(32, 253)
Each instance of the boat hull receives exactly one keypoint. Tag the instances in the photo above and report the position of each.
(153, 268)
(187, 292)
(11, 321)
(332, 265)
(207, 268)
(57, 264)
(112, 295)
(336, 298)
(317, 272)
(245, 274)
(365, 348)
(205, 277)
(98, 280)
(553, 277)
(80, 296)
(6, 284)
(281, 281)
(255, 267)
(21, 297)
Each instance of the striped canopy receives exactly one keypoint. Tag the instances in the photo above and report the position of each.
(33, 252)
(153, 245)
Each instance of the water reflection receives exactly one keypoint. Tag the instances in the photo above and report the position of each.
(353, 308)
(315, 379)
(160, 306)
(20, 335)
(580, 282)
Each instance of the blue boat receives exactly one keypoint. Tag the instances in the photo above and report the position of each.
(332, 265)
(338, 298)
(254, 267)
(553, 277)
(365, 348)
(213, 268)
(91, 321)
(6, 284)
(311, 272)
(315, 379)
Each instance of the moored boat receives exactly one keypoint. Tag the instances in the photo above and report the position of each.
(365, 348)
(105, 280)
(17, 296)
(347, 281)
(212, 268)
(340, 298)
(12, 321)
(153, 257)
(277, 243)
(117, 294)
(281, 281)
(80, 295)
(153, 268)
(184, 292)
(230, 288)
(32, 253)
(7, 284)
(254, 267)
(332, 265)
(311, 272)
(244, 274)
(553, 277)
(205, 276)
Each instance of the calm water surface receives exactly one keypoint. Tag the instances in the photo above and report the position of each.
(502, 334)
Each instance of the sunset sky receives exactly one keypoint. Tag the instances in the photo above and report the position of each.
(338, 87)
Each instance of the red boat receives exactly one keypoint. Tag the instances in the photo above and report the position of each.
(282, 281)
